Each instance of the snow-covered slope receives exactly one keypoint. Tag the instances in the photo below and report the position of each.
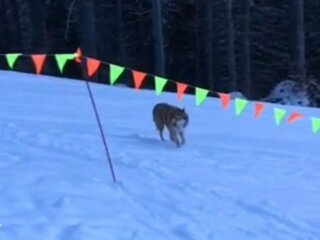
(236, 178)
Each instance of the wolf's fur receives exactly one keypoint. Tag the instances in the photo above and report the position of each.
(174, 118)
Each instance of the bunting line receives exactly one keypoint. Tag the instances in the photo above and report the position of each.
(115, 72)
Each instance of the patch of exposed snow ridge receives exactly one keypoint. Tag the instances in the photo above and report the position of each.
(237, 94)
(288, 92)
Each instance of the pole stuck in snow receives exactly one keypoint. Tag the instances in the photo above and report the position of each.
(101, 131)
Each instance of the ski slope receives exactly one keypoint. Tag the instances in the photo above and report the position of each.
(237, 178)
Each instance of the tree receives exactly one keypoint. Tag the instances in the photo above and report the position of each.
(121, 38)
(25, 25)
(208, 45)
(298, 59)
(86, 28)
(231, 47)
(158, 38)
(245, 62)
(11, 40)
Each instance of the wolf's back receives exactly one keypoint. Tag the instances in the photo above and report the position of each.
(159, 111)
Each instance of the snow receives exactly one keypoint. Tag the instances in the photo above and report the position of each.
(236, 178)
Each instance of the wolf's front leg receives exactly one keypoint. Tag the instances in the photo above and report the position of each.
(183, 140)
(161, 134)
(174, 136)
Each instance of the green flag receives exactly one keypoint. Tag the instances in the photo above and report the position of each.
(63, 58)
(160, 83)
(315, 124)
(115, 72)
(279, 115)
(240, 105)
(12, 58)
(201, 95)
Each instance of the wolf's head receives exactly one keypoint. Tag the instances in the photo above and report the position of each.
(180, 118)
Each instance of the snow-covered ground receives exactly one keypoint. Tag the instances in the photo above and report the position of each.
(237, 178)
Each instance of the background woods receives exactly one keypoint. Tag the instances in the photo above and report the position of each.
(222, 45)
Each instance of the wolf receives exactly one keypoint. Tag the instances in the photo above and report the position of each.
(174, 118)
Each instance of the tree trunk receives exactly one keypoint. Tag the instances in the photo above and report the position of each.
(25, 25)
(198, 36)
(208, 45)
(231, 48)
(122, 56)
(87, 32)
(38, 19)
(158, 38)
(298, 59)
(12, 39)
(121, 40)
(245, 62)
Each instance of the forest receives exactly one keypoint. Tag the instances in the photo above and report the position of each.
(222, 45)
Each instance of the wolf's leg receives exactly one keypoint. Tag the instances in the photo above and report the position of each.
(160, 128)
(161, 134)
(183, 140)
(174, 136)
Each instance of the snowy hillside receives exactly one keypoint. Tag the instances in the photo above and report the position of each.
(237, 178)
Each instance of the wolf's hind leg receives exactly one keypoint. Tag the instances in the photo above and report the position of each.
(160, 128)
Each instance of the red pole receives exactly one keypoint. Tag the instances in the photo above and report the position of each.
(101, 131)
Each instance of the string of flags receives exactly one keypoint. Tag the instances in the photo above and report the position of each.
(201, 94)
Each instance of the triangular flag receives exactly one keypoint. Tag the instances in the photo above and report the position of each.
(115, 72)
(181, 88)
(294, 117)
(78, 55)
(315, 124)
(160, 83)
(38, 60)
(62, 59)
(279, 115)
(201, 95)
(138, 78)
(240, 105)
(92, 66)
(225, 99)
(12, 58)
(259, 107)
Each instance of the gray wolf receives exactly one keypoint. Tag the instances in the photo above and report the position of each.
(173, 118)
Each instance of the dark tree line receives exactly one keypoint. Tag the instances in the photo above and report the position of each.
(223, 45)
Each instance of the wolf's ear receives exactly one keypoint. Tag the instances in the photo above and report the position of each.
(183, 109)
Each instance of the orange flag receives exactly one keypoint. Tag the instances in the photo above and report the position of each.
(294, 117)
(181, 88)
(38, 60)
(138, 78)
(92, 65)
(259, 107)
(225, 99)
